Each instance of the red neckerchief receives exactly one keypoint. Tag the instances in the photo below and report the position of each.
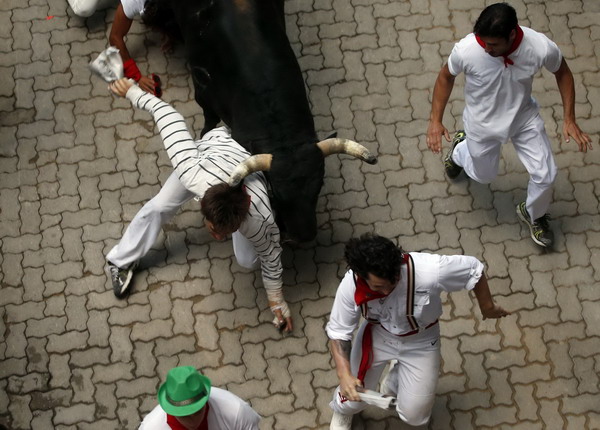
(513, 47)
(176, 425)
(363, 293)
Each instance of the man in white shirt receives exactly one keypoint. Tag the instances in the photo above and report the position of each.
(186, 401)
(398, 295)
(500, 59)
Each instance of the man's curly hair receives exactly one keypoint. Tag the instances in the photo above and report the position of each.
(374, 254)
(225, 207)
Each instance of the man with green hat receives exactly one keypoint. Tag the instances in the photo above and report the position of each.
(186, 401)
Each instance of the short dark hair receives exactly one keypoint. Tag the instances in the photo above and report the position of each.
(374, 254)
(496, 20)
(224, 206)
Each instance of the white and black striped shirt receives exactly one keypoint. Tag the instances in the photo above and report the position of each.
(209, 161)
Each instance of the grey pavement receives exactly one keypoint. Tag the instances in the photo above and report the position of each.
(76, 164)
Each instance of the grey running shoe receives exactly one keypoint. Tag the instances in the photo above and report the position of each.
(121, 278)
(453, 169)
(540, 230)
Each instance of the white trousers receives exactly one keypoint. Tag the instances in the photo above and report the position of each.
(147, 223)
(414, 379)
(85, 8)
(480, 161)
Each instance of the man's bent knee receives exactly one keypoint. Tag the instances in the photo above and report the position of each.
(414, 419)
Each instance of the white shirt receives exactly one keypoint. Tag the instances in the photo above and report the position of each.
(227, 412)
(133, 8)
(433, 274)
(209, 161)
(498, 98)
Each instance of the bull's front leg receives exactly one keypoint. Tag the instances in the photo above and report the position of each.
(201, 79)
(211, 119)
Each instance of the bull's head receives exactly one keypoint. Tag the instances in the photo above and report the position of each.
(296, 181)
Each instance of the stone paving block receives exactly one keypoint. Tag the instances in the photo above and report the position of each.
(549, 412)
(545, 293)
(532, 337)
(576, 422)
(127, 412)
(475, 372)
(470, 400)
(16, 343)
(301, 417)
(133, 389)
(452, 359)
(530, 373)
(239, 319)
(62, 343)
(20, 411)
(106, 401)
(507, 358)
(175, 345)
(591, 318)
(182, 316)
(277, 402)
(538, 317)
(255, 364)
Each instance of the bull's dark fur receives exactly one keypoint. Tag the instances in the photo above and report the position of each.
(246, 74)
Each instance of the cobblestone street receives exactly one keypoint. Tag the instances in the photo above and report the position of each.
(76, 164)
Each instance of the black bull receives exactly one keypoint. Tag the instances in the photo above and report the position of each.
(246, 74)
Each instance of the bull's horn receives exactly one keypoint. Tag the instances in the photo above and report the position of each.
(345, 146)
(250, 165)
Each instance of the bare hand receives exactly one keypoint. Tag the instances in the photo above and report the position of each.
(146, 83)
(434, 136)
(571, 129)
(494, 312)
(348, 384)
(284, 325)
(121, 86)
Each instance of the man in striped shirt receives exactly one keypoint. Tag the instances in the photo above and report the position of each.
(398, 294)
(198, 166)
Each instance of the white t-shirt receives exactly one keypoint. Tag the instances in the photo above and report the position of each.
(498, 98)
(133, 8)
(227, 412)
(433, 274)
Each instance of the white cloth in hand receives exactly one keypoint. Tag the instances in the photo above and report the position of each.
(108, 65)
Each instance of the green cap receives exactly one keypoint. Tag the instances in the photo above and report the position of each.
(185, 392)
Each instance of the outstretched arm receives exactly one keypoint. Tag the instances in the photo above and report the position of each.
(441, 93)
(566, 87)
(118, 31)
(340, 351)
(178, 141)
(488, 308)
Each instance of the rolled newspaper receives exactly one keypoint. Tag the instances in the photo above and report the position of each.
(375, 398)
(108, 65)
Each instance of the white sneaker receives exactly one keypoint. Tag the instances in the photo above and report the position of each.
(341, 422)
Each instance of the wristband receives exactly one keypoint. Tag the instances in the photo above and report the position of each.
(131, 70)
